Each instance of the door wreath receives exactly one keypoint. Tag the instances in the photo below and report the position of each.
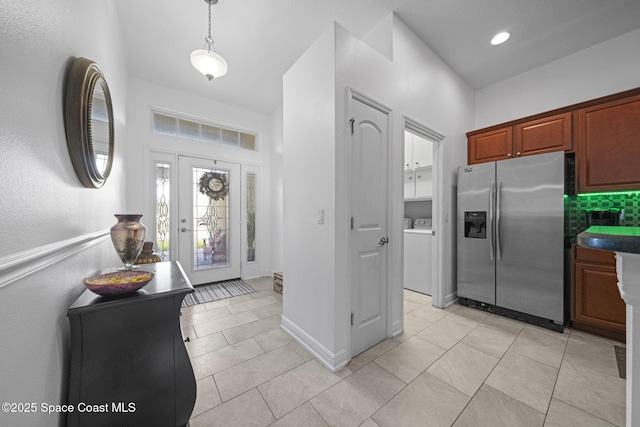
(215, 185)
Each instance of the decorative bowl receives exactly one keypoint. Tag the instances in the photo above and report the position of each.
(118, 283)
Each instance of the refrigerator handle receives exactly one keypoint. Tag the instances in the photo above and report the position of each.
(498, 246)
(492, 198)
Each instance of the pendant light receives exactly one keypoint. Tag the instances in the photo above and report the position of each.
(208, 62)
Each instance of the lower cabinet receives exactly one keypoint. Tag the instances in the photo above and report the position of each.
(597, 306)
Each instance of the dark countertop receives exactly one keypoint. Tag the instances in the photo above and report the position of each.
(611, 238)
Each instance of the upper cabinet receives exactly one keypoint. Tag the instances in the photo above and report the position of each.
(543, 135)
(491, 146)
(418, 163)
(608, 138)
(418, 152)
(604, 133)
(538, 136)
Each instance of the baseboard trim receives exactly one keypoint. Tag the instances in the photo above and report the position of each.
(333, 362)
(19, 265)
(397, 328)
(450, 299)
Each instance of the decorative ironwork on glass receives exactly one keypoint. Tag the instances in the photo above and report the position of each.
(211, 222)
(251, 217)
(162, 210)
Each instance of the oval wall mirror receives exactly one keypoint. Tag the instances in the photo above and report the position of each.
(89, 123)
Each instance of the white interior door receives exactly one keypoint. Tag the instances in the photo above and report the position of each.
(369, 236)
(209, 219)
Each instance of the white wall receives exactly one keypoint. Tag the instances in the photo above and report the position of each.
(276, 193)
(143, 96)
(609, 67)
(309, 178)
(355, 61)
(41, 200)
(429, 92)
(417, 83)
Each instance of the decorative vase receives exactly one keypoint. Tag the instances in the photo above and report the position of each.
(147, 255)
(128, 237)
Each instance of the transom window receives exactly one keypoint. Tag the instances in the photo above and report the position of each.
(189, 128)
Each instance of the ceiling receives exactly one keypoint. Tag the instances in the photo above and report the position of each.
(262, 39)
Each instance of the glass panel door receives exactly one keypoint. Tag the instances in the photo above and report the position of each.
(209, 219)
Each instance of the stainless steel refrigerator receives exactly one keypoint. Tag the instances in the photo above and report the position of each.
(510, 243)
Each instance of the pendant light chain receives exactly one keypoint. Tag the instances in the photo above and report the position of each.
(209, 39)
(208, 61)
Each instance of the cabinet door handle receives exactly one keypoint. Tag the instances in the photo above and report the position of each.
(518, 153)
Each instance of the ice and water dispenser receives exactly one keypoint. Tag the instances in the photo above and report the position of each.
(475, 224)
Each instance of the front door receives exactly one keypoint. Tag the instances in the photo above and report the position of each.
(369, 203)
(209, 219)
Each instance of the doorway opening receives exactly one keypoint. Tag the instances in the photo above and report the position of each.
(423, 219)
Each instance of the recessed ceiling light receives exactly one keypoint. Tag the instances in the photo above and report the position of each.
(500, 38)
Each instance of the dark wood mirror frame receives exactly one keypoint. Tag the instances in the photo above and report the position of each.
(81, 86)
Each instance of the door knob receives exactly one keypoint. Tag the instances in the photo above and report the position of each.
(184, 230)
(383, 241)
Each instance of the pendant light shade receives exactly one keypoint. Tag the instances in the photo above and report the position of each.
(207, 61)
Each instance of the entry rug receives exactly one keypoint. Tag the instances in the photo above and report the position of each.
(621, 358)
(216, 291)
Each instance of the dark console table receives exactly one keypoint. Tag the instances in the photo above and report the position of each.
(129, 365)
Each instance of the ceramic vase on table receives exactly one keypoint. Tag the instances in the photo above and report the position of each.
(128, 237)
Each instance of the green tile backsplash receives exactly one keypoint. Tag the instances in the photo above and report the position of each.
(575, 221)
(575, 206)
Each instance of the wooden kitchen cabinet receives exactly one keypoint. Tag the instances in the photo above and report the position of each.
(490, 146)
(609, 146)
(604, 133)
(543, 135)
(597, 306)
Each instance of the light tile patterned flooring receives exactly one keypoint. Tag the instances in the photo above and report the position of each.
(453, 367)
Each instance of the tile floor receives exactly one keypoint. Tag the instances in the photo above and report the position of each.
(453, 367)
